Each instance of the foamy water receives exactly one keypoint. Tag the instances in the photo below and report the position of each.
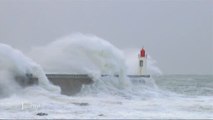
(143, 101)
(14, 63)
(108, 97)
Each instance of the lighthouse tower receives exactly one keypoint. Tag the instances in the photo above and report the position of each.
(142, 62)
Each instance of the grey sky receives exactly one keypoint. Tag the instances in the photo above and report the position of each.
(178, 34)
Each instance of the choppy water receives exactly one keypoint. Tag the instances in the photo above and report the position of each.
(173, 96)
(170, 96)
(193, 85)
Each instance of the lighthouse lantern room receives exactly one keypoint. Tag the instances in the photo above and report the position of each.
(142, 62)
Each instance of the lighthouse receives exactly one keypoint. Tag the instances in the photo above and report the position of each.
(142, 62)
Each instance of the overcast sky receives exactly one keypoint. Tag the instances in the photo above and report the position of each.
(177, 33)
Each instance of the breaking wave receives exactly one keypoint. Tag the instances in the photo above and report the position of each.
(13, 63)
(82, 54)
(87, 54)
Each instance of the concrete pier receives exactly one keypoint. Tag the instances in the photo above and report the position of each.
(70, 84)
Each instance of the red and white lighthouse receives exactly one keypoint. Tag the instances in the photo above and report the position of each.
(142, 62)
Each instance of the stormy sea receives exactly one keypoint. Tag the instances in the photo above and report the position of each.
(159, 97)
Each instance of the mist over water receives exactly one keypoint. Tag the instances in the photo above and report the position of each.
(83, 54)
(107, 97)
(80, 54)
(74, 54)
(89, 54)
(131, 60)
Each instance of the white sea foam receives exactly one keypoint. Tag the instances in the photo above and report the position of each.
(89, 54)
(83, 54)
(107, 98)
(13, 63)
(80, 53)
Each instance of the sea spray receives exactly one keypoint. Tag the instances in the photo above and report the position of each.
(82, 54)
(152, 68)
(78, 53)
(14, 63)
(132, 62)
(35, 100)
(87, 54)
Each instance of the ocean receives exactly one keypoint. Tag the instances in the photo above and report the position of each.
(158, 97)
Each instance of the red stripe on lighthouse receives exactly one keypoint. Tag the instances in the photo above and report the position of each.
(142, 53)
